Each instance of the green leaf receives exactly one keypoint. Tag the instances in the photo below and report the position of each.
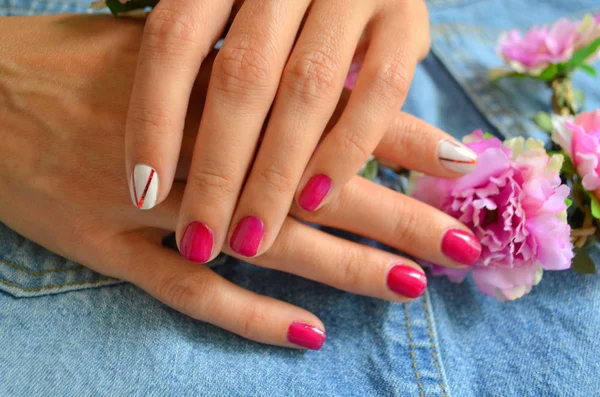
(589, 69)
(117, 7)
(498, 74)
(582, 263)
(580, 56)
(595, 206)
(568, 202)
(567, 167)
(549, 73)
(544, 121)
(370, 170)
(487, 135)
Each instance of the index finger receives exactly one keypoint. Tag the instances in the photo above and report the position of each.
(177, 37)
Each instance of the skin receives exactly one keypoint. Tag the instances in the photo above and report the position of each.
(64, 188)
(281, 60)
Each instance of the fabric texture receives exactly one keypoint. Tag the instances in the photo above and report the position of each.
(67, 331)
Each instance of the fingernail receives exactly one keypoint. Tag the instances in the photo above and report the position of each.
(457, 157)
(407, 281)
(143, 186)
(306, 336)
(197, 242)
(314, 192)
(460, 246)
(247, 236)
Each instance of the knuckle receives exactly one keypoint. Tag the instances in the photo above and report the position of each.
(392, 78)
(276, 181)
(185, 292)
(168, 25)
(243, 63)
(253, 322)
(312, 74)
(407, 134)
(353, 272)
(353, 145)
(142, 121)
(218, 184)
(406, 225)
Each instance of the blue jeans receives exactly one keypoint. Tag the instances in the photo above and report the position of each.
(66, 331)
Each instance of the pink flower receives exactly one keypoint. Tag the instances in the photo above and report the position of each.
(580, 138)
(542, 46)
(515, 205)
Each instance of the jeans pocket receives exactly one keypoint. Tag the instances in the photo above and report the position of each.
(27, 269)
(464, 39)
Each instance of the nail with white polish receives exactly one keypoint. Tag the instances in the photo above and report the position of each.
(143, 186)
(457, 157)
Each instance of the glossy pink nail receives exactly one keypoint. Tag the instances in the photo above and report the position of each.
(247, 236)
(314, 192)
(197, 242)
(407, 281)
(306, 336)
(460, 246)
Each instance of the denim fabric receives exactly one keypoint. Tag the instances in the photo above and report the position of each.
(93, 339)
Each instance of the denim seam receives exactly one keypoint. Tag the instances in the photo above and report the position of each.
(435, 341)
(475, 97)
(413, 355)
(433, 348)
(41, 272)
(477, 30)
(45, 287)
(475, 90)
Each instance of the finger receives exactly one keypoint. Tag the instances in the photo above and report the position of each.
(310, 253)
(242, 87)
(177, 37)
(202, 294)
(164, 216)
(416, 145)
(310, 88)
(368, 209)
(380, 90)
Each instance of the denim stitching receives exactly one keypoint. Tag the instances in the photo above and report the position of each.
(39, 273)
(474, 96)
(413, 356)
(475, 89)
(27, 289)
(434, 334)
(433, 349)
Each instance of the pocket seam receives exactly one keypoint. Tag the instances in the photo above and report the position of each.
(55, 286)
(41, 272)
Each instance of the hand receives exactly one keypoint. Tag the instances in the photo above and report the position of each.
(63, 135)
(286, 59)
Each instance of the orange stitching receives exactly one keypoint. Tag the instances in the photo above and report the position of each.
(57, 285)
(413, 356)
(34, 273)
(433, 349)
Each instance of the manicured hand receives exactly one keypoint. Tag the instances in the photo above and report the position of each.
(61, 165)
(284, 59)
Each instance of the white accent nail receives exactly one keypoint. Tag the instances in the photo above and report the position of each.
(457, 157)
(143, 186)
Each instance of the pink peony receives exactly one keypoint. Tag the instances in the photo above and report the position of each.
(542, 46)
(580, 138)
(515, 205)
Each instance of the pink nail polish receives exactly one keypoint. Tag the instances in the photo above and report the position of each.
(306, 336)
(197, 242)
(314, 192)
(247, 236)
(407, 281)
(460, 246)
